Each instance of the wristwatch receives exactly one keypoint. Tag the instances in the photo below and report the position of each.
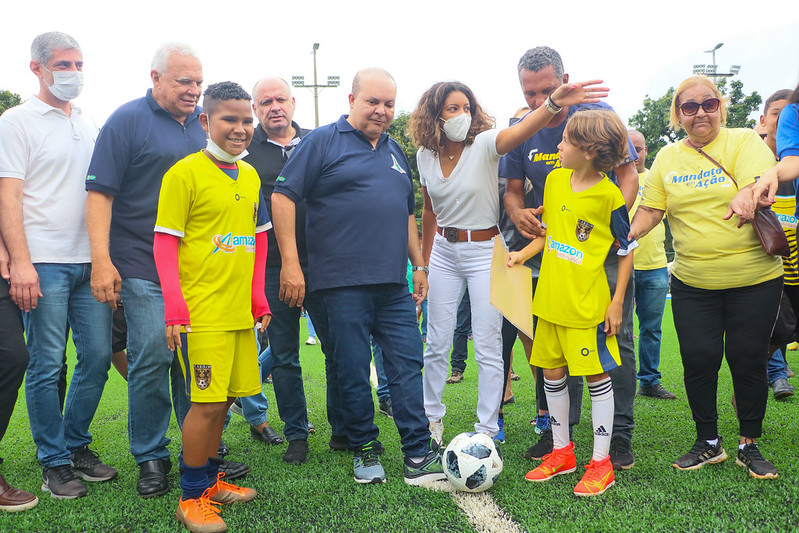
(424, 269)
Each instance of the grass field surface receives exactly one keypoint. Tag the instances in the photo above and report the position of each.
(321, 496)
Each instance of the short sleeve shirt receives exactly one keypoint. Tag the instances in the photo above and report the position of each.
(468, 198)
(136, 146)
(216, 218)
(573, 288)
(651, 251)
(359, 199)
(49, 151)
(710, 252)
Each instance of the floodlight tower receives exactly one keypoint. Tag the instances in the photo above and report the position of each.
(711, 70)
(299, 81)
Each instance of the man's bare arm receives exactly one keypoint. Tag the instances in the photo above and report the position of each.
(24, 279)
(106, 282)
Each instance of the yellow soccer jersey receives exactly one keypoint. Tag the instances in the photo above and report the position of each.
(710, 252)
(651, 251)
(581, 227)
(785, 207)
(216, 218)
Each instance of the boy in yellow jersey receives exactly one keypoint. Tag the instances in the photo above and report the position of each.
(210, 251)
(584, 215)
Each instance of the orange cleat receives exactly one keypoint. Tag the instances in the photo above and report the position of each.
(560, 461)
(222, 492)
(200, 516)
(597, 479)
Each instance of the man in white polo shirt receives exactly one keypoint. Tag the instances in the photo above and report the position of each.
(45, 148)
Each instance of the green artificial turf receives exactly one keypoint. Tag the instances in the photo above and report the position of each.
(321, 496)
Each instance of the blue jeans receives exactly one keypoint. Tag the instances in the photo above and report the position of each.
(777, 366)
(651, 288)
(460, 339)
(380, 370)
(284, 360)
(254, 408)
(67, 299)
(150, 364)
(386, 312)
(423, 324)
(311, 330)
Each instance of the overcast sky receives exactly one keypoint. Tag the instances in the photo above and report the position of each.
(638, 48)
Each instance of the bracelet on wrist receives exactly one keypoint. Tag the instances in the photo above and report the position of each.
(551, 106)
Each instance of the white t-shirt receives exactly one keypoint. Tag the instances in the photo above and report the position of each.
(469, 197)
(50, 152)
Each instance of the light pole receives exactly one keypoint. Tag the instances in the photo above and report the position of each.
(299, 81)
(710, 70)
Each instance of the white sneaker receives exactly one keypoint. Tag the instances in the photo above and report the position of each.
(437, 431)
(311, 341)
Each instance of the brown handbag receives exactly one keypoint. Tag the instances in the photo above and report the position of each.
(766, 224)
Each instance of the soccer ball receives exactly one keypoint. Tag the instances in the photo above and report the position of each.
(472, 462)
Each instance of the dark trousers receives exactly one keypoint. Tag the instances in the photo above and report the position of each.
(735, 323)
(13, 356)
(460, 339)
(386, 312)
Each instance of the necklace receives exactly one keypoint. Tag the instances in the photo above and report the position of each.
(451, 157)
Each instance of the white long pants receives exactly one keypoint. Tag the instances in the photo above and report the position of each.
(453, 267)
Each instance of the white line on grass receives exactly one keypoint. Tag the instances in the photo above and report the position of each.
(480, 509)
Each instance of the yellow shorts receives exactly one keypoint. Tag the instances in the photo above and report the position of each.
(219, 365)
(587, 352)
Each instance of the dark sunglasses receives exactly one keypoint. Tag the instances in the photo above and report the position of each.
(710, 105)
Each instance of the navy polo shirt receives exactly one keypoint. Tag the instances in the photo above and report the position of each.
(136, 146)
(359, 199)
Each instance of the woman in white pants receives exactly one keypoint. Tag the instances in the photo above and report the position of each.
(458, 160)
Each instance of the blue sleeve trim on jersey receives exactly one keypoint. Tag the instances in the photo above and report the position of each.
(620, 229)
(169, 231)
(264, 227)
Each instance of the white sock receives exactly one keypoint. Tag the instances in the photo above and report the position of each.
(712, 442)
(602, 416)
(558, 399)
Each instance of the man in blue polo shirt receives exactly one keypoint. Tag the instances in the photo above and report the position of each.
(138, 144)
(540, 73)
(361, 231)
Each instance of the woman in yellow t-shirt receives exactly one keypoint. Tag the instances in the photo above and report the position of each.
(725, 288)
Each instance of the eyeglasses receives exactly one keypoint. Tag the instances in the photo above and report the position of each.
(689, 109)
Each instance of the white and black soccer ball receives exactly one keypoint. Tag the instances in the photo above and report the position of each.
(472, 462)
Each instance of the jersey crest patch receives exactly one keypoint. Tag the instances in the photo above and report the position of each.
(583, 230)
(396, 166)
(202, 376)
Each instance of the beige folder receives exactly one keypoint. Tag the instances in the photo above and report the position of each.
(512, 289)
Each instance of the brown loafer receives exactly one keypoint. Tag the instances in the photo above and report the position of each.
(13, 500)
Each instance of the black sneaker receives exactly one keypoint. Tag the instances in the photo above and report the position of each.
(699, 454)
(384, 404)
(427, 470)
(656, 391)
(87, 464)
(297, 452)
(540, 448)
(621, 453)
(62, 484)
(750, 457)
(340, 443)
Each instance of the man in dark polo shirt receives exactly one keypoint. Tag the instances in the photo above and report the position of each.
(361, 231)
(138, 144)
(275, 137)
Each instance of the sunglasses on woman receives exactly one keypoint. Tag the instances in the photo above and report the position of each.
(689, 109)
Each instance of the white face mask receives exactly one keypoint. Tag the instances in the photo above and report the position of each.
(218, 152)
(457, 128)
(67, 84)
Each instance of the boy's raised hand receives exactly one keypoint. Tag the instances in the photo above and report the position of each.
(613, 319)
